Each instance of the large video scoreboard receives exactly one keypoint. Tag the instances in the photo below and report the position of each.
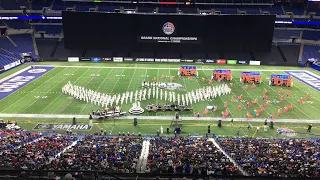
(168, 33)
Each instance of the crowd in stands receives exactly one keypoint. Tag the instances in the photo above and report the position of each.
(33, 151)
(167, 155)
(11, 139)
(278, 158)
(117, 154)
(31, 155)
(188, 155)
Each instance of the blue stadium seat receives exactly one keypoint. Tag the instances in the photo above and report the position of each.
(24, 43)
(189, 10)
(59, 5)
(295, 11)
(309, 52)
(85, 6)
(145, 9)
(283, 34)
(311, 35)
(273, 10)
(39, 4)
(107, 8)
(49, 29)
(167, 10)
(250, 10)
(17, 24)
(12, 4)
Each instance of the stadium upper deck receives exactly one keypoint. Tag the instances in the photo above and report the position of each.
(292, 12)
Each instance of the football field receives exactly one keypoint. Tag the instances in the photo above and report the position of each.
(43, 95)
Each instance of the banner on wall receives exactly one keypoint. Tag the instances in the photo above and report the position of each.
(221, 61)
(85, 59)
(231, 61)
(12, 65)
(187, 60)
(107, 59)
(73, 59)
(199, 61)
(243, 62)
(255, 63)
(145, 60)
(117, 59)
(209, 61)
(128, 59)
(167, 60)
(95, 59)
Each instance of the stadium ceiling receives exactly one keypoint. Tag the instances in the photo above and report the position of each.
(186, 2)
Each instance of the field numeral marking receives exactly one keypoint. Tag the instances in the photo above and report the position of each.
(41, 97)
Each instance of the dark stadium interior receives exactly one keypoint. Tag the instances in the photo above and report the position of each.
(274, 32)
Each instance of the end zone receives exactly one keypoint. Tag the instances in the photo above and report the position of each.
(306, 77)
(17, 81)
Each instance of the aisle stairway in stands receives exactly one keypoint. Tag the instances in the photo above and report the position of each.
(142, 163)
(227, 155)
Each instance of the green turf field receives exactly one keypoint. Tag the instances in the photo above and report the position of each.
(43, 96)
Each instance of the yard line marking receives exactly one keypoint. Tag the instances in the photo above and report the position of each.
(46, 93)
(206, 69)
(30, 91)
(60, 93)
(116, 82)
(288, 101)
(131, 78)
(84, 86)
(158, 90)
(97, 89)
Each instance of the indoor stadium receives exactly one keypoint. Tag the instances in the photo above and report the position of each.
(159, 89)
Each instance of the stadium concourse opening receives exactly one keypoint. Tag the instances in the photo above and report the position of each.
(167, 36)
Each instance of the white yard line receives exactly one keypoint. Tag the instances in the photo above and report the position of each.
(62, 93)
(288, 101)
(30, 91)
(45, 93)
(119, 67)
(117, 81)
(159, 89)
(14, 74)
(131, 79)
(107, 76)
(163, 118)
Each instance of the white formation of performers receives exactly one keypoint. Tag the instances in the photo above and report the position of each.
(109, 100)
